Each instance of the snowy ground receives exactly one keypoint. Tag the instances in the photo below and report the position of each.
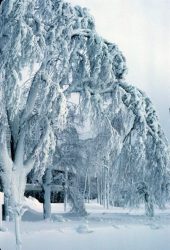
(114, 229)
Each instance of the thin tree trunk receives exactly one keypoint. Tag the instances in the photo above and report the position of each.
(6, 207)
(47, 194)
(89, 189)
(98, 190)
(105, 187)
(108, 189)
(85, 184)
(66, 190)
(102, 187)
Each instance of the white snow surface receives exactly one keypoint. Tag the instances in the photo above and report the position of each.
(101, 229)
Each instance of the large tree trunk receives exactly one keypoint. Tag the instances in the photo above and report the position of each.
(77, 200)
(17, 219)
(18, 184)
(14, 188)
(149, 208)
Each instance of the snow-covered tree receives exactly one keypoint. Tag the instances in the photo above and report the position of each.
(46, 45)
(122, 131)
(141, 141)
(49, 50)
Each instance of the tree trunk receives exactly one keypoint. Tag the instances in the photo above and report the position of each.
(17, 219)
(14, 188)
(98, 190)
(6, 206)
(107, 189)
(18, 183)
(102, 187)
(101, 190)
(66, 190)
(149, 208)
(47, 194)
(77, 199)
(47, 202)
(85, 185)
(89, 189)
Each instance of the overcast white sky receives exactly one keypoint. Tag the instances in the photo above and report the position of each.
(141, 28)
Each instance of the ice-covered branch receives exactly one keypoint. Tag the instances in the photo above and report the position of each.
(31, 158)
(32, 96)
(5, 160)
(81, 32)
(19, 153)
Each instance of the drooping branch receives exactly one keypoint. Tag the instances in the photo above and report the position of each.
(74, 89)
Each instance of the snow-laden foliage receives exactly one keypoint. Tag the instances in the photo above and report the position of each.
(124, 141)
(46, 52)
(49, 50)
(44, 46)
(145, 155)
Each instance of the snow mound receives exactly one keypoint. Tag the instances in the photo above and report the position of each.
(32, 203)
(59, 218)
(84, 228)
(3, 229)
